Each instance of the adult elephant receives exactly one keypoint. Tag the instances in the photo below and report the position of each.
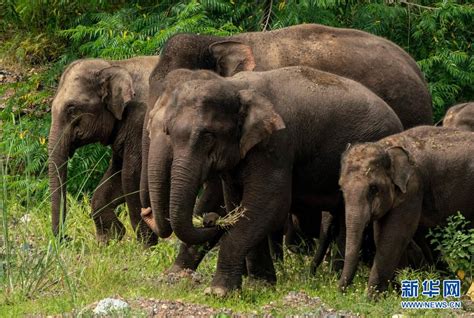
(460, 116)
(379, 64)
(273, 137)
(101, 101)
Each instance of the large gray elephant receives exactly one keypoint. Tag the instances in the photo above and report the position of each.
(101, 101)
(407, 181)
(375, 62)
(460, 116)
(273, 137)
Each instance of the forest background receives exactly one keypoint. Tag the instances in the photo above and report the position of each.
(40, 38)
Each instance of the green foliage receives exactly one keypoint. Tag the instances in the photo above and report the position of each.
(25, 158)
(49, 34)
(455, 241)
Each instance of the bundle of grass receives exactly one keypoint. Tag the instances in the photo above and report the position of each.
(224, 222)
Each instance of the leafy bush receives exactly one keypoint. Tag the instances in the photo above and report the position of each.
(455, 241)
(25, 161)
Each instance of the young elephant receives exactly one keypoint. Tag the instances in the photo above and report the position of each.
(101, 101)
(274, 138)
(460, 116)
(415, 178)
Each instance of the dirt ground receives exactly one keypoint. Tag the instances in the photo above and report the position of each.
(294, 301)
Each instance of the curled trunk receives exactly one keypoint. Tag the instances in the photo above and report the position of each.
(185, 184)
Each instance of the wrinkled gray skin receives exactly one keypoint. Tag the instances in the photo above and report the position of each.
(460, 116)
(101, 101)
(272, 137)
(415, 179)
(375, 62)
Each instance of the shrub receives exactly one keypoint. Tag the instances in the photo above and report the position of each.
(455, 241)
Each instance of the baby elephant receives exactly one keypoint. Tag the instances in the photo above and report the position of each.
(460, 116)
(413, 179)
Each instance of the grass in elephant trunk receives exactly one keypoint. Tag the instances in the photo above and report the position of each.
(224, 222)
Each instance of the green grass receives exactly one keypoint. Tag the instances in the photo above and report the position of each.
(42, 277)
(39, 276)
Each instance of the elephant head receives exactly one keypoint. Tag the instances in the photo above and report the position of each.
(90, 100)
(373, 179)
(226, 57)
(211, 125)
(191, 52)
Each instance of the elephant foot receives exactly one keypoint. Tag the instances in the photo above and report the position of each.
(115, 232)
(217, 291)
(373, 294)
(376, 291)
(313, 268)
(176, 269)
(267, 277)
(146, 235)
(175, 275)
(147, 216)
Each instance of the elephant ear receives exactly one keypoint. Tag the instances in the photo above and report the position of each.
(401, 167)
(160, 114)
(116, 89)
(232, 57)
(259, 119)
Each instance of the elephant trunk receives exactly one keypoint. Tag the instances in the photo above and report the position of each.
(185, 183)
(355, 225)
(144, 188)
(159, 170)
(59, 150)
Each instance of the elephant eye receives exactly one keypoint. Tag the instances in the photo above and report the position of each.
(207, 137)
(71, 109)
(373, 189)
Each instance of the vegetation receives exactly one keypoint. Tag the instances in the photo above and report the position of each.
(39, 38)
(456, 244)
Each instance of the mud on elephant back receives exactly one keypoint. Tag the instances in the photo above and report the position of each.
(460, 116)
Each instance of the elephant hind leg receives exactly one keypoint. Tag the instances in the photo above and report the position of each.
(260, 263)
(325, 238)
(107, 196)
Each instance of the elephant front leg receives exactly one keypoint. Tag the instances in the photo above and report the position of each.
(392, 234)
(107, 196)
(266, 200)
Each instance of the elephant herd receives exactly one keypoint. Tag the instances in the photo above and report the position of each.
(303, 128)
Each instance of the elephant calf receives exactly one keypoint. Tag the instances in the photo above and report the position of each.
(274, 138)
(101, 101)
(460, 116)
(413, 179)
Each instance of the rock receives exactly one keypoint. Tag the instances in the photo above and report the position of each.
(25, 219)
(108, 306)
